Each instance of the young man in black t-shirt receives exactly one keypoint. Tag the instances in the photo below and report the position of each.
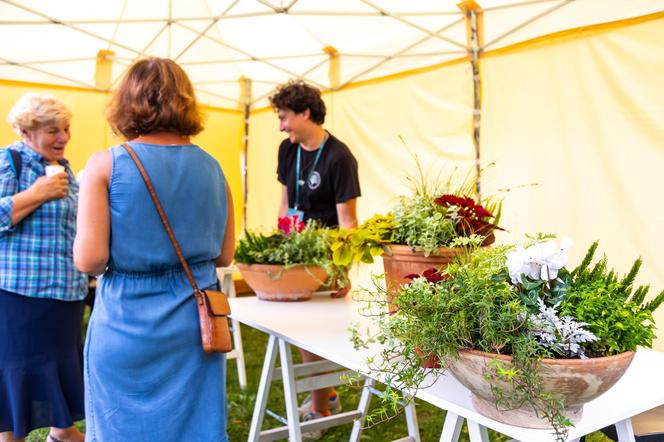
(319, 180)
(326, 185)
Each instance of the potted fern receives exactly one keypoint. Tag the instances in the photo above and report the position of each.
(530, 339)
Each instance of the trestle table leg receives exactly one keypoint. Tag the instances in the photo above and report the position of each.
(363, 407)
(290, 393)
(625, 431)
(477, 432)
(411, 419)
(451, 427)
(263, 390)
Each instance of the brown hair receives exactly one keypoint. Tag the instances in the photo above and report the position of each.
(298, 96)
(155, 95)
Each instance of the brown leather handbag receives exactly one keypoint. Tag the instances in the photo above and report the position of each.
(213, 307)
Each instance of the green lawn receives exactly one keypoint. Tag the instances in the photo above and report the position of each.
(241, 406)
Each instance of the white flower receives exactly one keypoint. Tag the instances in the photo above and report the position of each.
(539, 261)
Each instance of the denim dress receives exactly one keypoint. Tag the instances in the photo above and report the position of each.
(146, 376)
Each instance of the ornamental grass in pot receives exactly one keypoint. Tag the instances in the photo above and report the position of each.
(531, 340)
(288, 264)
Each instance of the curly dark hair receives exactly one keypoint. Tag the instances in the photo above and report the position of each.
(155, 95)
(298, 96)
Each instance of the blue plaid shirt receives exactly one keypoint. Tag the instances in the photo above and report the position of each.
(36, 256)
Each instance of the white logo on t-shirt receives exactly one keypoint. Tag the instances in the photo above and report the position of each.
(314, 181)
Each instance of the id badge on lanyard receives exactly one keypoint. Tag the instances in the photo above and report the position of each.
(297, 213)
(300, 183)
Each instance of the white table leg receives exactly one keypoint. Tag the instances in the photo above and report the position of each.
(625, 431)
(477, 432)
(411, 419)
(263, 390)
(451, 427)
(228, 287)
(363, 407)
(237, 341)
(290, 393)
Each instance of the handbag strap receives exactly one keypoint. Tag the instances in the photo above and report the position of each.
(157, 204)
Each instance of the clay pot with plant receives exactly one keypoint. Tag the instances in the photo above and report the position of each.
(518, 329)
(288, 264)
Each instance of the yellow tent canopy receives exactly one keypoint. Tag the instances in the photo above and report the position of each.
(572, 102)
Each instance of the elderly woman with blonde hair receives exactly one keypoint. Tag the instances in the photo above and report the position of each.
(41, 292)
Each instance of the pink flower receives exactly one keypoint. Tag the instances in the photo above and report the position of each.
(290, 224)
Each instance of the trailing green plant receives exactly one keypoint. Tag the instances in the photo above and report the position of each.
(512, 300)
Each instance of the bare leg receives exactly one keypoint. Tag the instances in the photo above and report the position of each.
(319, 398)
(8, 436)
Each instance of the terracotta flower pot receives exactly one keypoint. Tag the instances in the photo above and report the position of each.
(271, 282)
(577, 381)
(429, 360)
(401, 260)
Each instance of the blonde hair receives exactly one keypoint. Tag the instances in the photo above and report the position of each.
(33, 110)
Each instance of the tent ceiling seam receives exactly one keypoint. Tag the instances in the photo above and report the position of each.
(527, 22)
(117, 25)
(386, 59)
(161, 30)
(42, 71)
(517, 4)
(413, 25)
(204, 31)
(66, 24)
(253, 57)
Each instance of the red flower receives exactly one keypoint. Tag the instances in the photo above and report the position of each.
(290, 224)
(472, 216)
(481, 212)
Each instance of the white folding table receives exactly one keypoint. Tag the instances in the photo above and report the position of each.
(321, 327)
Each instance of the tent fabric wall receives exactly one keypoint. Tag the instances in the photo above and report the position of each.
(579, 115)
(430, 111)
(584, 119)
(222, 137)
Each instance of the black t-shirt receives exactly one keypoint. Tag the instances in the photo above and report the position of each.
(334, 180)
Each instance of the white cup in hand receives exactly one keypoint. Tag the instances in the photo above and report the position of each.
(54, 169)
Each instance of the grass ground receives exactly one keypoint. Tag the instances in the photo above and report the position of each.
(241, 406)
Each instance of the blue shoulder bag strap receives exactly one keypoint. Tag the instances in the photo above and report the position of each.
(15, 162)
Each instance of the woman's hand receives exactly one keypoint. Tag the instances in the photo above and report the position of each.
(42, 190)
(48, 188)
